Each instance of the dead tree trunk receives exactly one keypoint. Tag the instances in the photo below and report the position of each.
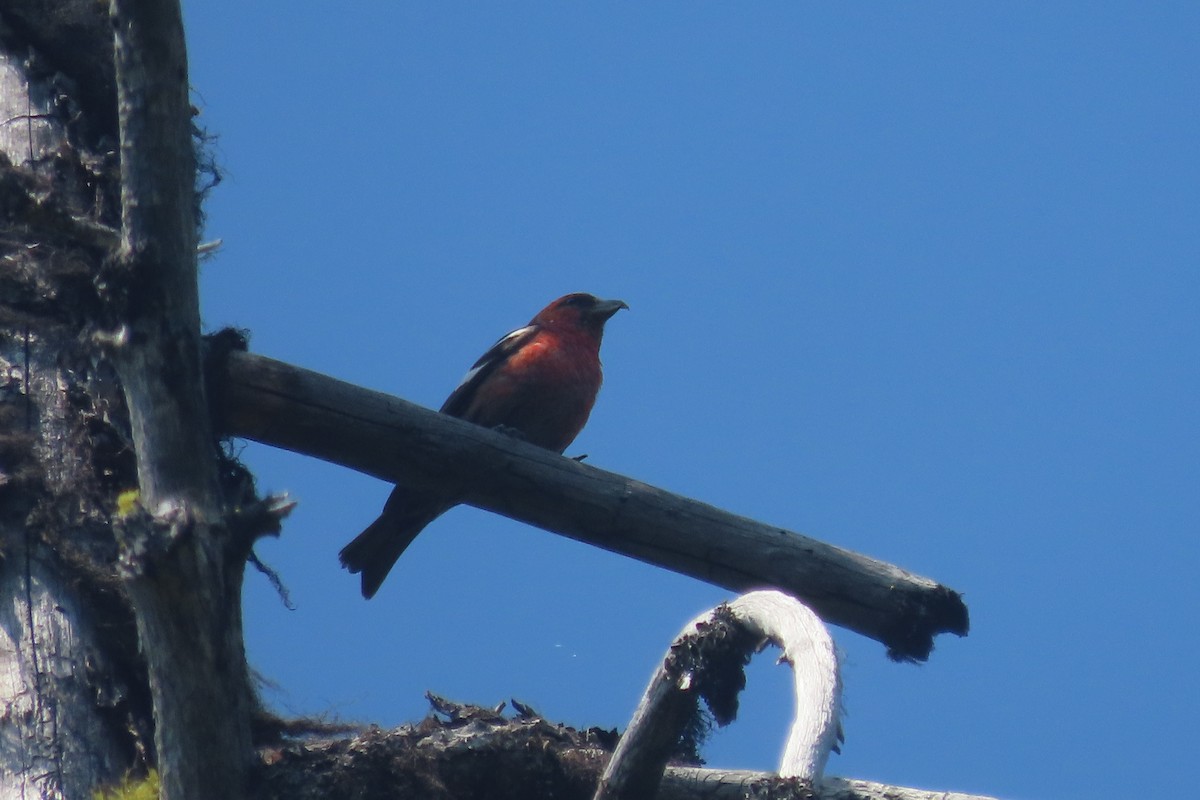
(115, 607)
(76, 714)
(181, 556)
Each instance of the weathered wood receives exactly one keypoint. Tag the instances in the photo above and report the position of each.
(636, 767)
(694, 783)
(297, 409)
(72, 719)
(184, 568)
(816, 677)
(57, 729)
(151, 285)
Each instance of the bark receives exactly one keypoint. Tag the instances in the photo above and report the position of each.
(99, 326)
(75, 39)
(183, 561)
(75, 712)
(711, 784)
(481, 754)
(300, 410)
(67, 723)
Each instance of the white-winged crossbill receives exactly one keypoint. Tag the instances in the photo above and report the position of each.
(538, 382)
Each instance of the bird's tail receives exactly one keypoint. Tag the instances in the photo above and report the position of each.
(374, 551)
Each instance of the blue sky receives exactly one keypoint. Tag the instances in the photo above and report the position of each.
(919, 280)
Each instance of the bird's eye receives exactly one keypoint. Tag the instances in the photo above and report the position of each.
(581, 300)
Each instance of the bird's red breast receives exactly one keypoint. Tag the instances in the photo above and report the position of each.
(541, 379)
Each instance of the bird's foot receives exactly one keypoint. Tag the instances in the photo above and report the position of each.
(579, 458)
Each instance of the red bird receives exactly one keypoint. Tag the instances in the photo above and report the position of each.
(538, 382)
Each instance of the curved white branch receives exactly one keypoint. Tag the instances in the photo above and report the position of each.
(807, 646)
(708, 644)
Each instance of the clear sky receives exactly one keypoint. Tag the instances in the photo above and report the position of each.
(921, 280)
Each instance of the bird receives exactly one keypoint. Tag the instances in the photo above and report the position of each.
(537, 383)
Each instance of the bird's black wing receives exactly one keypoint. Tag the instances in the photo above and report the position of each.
(460, 399)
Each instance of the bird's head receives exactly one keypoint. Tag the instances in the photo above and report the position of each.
(579, 310)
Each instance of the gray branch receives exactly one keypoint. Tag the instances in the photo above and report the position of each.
(184, 577)
(392, 439)
(695, 783)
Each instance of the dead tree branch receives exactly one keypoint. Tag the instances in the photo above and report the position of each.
(694, 783)
(183, 575)
(706, 660)
(290, 407)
